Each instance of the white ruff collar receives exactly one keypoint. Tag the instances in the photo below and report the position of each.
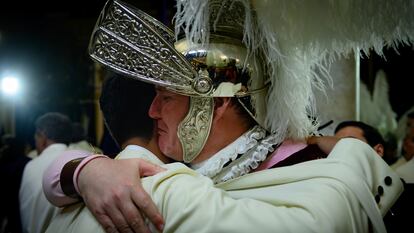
(240, 157)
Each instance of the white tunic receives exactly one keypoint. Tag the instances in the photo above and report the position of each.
(35, 210)
(327, 195)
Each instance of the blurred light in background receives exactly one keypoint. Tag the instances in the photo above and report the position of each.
(10, 85)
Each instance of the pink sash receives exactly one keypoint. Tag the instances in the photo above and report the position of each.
(288, 148)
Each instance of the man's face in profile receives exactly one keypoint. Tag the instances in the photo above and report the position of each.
(168, 109)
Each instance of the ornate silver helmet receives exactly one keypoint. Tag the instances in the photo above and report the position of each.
(135, 44)
(264, 53)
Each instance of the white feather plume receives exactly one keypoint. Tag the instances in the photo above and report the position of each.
(376, 110)
(299, 37)
(368, 109)
(387, 117)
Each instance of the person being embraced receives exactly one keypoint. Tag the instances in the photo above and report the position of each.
(220, 130)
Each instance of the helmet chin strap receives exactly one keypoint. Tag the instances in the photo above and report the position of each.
(194, 130)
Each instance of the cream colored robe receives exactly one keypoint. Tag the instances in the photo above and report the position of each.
(335, 194)
(35, 210)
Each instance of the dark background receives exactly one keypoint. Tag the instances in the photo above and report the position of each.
(399, 70)
(46, 42)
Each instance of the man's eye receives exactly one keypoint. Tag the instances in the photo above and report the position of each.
(166, 98)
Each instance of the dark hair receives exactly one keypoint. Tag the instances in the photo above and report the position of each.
(78, 132)
(124, 103)
(410, 114)
(247, 118)
(55, 126)
(371, 134)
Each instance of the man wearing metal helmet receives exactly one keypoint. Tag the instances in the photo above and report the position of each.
(210, 111)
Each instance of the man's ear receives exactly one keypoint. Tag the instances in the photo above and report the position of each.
(221, 104)
(379, 149)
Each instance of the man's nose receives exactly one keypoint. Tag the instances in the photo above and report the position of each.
(154, 110)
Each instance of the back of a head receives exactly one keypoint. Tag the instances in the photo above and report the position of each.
(372, 135)
(78, 132)
(55, 126)
(124, 103)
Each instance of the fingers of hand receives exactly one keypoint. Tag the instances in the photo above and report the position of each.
(105, 222)
(123, 212)
(108, 214)
(311, 140)
(149, 169)
(147, 207)
(118, 220)
(133, 217)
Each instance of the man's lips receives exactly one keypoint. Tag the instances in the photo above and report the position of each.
(161, 131)
(161, 128)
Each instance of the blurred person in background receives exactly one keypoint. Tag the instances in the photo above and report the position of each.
(363, 132)
(406, 170)
(398, 217)
(53, 134)
(405, 156)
